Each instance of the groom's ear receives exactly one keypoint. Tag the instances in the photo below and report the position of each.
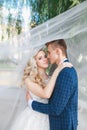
(57, 50)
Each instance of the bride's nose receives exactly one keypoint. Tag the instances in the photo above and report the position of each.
(45, 59)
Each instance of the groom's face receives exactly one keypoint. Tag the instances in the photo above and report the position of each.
(52, 54)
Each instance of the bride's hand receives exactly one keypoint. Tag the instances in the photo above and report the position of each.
(62, 66)
(28, 97)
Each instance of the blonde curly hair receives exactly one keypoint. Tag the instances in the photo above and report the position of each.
(31, 71)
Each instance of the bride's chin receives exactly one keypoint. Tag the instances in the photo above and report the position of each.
(46, 66)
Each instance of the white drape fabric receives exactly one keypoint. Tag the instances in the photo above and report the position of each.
(71, 26)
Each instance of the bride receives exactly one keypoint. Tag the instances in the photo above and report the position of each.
(35, 72)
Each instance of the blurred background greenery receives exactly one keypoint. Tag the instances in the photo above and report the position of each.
(19, 16)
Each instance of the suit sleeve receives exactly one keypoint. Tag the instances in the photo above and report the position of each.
(60, 97)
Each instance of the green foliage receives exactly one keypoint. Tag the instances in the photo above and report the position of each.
(18, 26)
(47, 9)
(41, 11)
(9, 24)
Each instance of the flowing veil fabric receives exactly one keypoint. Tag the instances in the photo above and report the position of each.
(70, 25)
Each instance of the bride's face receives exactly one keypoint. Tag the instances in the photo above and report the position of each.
(41, 60)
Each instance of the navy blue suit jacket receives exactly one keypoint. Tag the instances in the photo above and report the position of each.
(62, 107)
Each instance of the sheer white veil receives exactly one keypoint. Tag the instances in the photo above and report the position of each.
(71, 26)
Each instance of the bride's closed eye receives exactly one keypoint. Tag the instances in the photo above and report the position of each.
(45, 56)
(40, 58)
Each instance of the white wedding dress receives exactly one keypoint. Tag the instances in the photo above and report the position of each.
(30, 119)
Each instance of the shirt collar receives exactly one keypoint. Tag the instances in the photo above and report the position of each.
(63, 60)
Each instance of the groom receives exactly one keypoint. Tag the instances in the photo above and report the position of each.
(62, 107)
